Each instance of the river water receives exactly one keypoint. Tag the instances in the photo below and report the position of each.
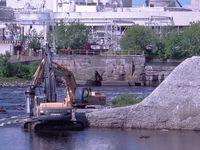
(14, 138)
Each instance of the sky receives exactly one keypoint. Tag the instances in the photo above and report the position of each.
(141, 2)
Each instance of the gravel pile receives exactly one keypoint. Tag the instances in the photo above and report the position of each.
(174, 104)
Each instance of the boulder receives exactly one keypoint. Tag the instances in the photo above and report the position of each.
(174, 104)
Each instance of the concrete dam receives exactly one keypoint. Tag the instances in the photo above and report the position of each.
(126, 69)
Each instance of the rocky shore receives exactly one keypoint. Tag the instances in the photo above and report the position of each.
(174, 104)
(15, 84)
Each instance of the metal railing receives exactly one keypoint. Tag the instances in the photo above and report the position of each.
(128, 53)
(101, 52)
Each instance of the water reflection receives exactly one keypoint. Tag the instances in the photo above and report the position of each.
(13, 138)
(99, 139)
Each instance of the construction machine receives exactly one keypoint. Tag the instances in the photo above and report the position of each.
(46, 113)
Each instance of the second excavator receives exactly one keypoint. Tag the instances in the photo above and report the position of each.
(48, 113)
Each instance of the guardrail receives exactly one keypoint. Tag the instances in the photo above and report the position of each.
(101, 52)
(25, 56)
(116, 53)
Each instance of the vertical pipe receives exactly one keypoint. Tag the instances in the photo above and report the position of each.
(30, 94)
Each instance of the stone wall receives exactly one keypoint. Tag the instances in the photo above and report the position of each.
(112, 68)
(155, 74)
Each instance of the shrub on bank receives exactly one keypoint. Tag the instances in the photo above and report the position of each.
(22, 71)
(11, 80)
(126, 100)
(15, 71)
(6, 68)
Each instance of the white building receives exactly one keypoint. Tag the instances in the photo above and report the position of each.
(107, 23)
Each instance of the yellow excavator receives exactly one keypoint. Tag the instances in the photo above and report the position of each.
(46, 113)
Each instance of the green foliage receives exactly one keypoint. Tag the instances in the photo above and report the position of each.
(174, 47)
(5, 68)
(22, 71)
(73, 36)
(34, 44)
(16, 70)
(170, 44)
(77, 35)
(10, 79)
(126, 100)
(25, 71)
(182, 44)
(60, 35)
(191, 39)
(34, 41)
(33, 68)
(138, 38)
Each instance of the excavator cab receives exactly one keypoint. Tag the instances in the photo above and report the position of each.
(49, 111)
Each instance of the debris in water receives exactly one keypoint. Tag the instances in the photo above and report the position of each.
(144, 136)
(2, 109)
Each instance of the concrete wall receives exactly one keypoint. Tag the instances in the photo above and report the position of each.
(155, 74)
(131, 70)
(113, 68)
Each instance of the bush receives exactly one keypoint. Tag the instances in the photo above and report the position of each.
(25, 71)
(32, 68)
(22, 71)
(126, 100)
(10, 79)
(5, 68)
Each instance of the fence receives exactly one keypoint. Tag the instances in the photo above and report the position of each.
(101, 52)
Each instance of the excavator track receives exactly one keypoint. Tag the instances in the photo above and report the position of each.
(43, 126)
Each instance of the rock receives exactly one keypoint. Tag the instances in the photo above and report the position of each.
(2, 110)
(174, 104)
(14, 84)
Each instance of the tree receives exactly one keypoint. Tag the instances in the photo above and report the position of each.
(138, 38)
(182, 44)
(173, 46)
(77, 35)
(5, 66)
(73, 36)
(60, 35)
(34, 41)
(191, 39)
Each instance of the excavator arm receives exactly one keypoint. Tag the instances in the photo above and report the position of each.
(69, 80)
(37, 80)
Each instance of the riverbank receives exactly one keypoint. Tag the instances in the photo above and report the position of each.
(13, 82)
(16, 82)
